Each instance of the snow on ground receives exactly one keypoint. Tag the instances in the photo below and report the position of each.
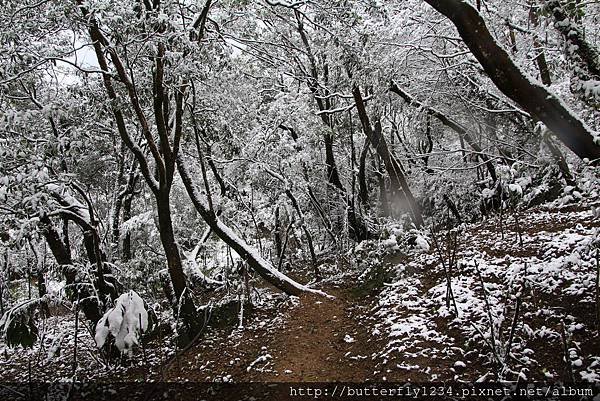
(406, 329)
(553, 273)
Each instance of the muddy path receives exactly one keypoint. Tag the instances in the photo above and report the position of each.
(310, 338)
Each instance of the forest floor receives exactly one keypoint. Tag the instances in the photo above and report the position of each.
(314, 339)
(390, 320)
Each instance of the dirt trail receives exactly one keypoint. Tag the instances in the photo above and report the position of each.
(322, 340)
(318, 339)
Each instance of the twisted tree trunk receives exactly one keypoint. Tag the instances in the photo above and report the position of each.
(227, 235)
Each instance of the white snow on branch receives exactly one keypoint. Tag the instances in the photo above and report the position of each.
(192, 264)
(69, 202)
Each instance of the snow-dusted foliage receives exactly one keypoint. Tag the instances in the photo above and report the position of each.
(125, 322)
(18, 324)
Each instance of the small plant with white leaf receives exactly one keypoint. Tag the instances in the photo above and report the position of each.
(125, 322)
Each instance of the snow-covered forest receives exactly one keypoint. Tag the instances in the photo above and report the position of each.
(294, 191)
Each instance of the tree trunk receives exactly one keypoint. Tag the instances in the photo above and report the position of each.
(246, 253)
(559, 158)
(92, 247)
(332, 172)
(512, 81)
(358, 228)
(546, 80)
(183, 304)
(309, 240)
(399, 184)
(123, 202)
(215, 171)
(117, 203)
(277, 234)
(363, 189)
(540, 54)
(541, 62)
(41, 283)
(513, 39)
(65, 235)
(89, 302)
(83, 216)
(383, 195)
(167, 238)
(427, 147)
(126, 244)
(4, 282)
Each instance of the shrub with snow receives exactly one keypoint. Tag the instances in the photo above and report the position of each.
(422, 243)
(18, 324)
(126, 321)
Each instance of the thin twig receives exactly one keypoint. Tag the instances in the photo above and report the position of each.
(513, 328)
(449, 293)
(489, 311)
